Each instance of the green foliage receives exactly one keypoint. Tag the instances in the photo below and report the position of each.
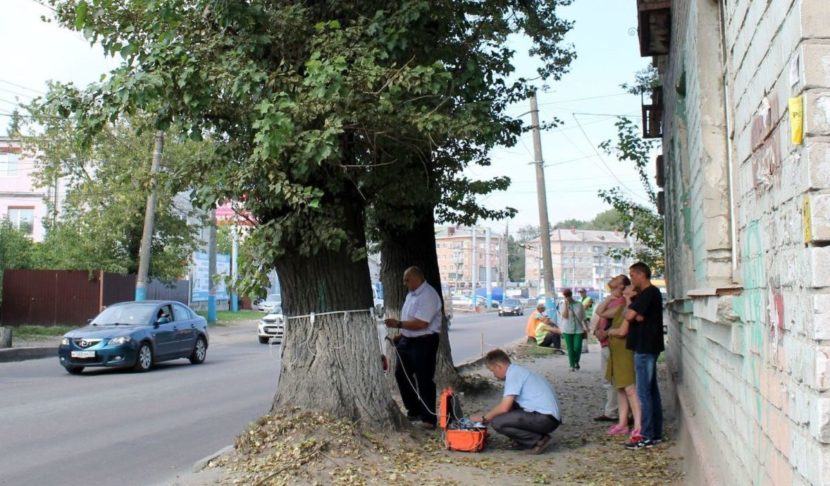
(645, 80)
(641, 221)
(610, 220)
(572, 224)
(107, 180)
(15, 123)
(16, 250)
(246, 265)
(31, 333)
(326, 110)
(515, 260)
(516, 251)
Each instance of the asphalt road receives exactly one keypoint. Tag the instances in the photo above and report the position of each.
(124, 428)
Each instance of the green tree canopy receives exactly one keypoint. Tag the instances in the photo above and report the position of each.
(104, 182)
(640, 220)
(324, 111)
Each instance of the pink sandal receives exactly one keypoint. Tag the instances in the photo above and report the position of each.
(618, 429)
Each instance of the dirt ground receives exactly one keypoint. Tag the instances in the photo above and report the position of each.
(301, 448)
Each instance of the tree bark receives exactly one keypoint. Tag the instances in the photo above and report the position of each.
(403, 248)
(332, 363)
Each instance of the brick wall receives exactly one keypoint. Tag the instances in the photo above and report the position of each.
(750, 319)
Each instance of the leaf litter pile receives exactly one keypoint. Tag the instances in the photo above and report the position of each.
(305, 448)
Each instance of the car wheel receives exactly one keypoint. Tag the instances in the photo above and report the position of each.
(264, 340)
(74, 370)
(144, 361)
(199, 352)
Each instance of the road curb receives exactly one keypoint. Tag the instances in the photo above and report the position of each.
(21, 354)
(203, 462)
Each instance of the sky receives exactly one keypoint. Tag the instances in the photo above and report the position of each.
(604, 35)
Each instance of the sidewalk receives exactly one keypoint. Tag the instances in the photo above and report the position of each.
(581, 451)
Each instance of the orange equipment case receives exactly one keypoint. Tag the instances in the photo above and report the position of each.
(454, 439)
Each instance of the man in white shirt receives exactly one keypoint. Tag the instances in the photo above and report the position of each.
(529, 411)
(420, 326)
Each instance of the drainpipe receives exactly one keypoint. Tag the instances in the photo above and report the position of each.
(733, 230)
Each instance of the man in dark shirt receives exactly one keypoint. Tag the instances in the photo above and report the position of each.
(645, 338)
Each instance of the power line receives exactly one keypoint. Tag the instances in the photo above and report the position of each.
(601, 159)
(636, 115)
(558, 102)
(571, 179)
(16, 93)
(22, 87)
(565, 162)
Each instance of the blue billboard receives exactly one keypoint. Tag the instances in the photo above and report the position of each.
(200, 276)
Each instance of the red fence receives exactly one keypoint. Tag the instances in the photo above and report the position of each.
(64, 297)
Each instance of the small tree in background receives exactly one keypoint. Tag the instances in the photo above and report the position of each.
(638, 220)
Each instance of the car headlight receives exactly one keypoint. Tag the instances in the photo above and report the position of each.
(120, 340)
(65, 341)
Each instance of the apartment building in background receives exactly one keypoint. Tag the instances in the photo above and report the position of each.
(580, 259)
(457, 260)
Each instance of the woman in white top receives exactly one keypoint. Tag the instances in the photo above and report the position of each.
(573, 325)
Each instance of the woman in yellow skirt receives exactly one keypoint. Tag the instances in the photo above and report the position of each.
(620, 370)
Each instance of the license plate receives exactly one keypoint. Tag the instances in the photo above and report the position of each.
(83, 354)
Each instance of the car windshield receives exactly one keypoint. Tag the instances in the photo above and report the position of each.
(511, 302)
(273, 298)
(129, 314)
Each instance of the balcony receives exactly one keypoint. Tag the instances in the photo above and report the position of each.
(654, 27)
(653, 114)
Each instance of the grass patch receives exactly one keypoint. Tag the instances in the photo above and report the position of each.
(224, 318)
(39, 332)
(537, 351)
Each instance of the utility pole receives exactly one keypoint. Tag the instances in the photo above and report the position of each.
(505, 262)
(149, 222)
(488, 289)
(474, 274)
(211, 317)
(544, 225)
(234, 264)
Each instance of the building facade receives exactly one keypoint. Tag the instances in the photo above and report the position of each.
(580, 259)
(21, 203)
(454, 246)
(744, 116)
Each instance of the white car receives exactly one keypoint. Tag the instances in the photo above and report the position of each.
(272, 326)
(271, 303)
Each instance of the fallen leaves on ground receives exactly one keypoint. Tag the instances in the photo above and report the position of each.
(305, 448)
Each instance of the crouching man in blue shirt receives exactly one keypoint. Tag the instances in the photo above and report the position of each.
(529, 411)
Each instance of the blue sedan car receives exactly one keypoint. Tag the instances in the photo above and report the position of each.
(137, 335)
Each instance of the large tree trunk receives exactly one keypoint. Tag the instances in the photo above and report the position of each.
(401, 249)
(332, 364)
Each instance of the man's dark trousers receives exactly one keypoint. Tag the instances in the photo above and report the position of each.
(552, 340)
(526, 428)
(417, 358)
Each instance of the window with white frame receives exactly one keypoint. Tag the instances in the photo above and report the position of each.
(22, 219)
(8, 164)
